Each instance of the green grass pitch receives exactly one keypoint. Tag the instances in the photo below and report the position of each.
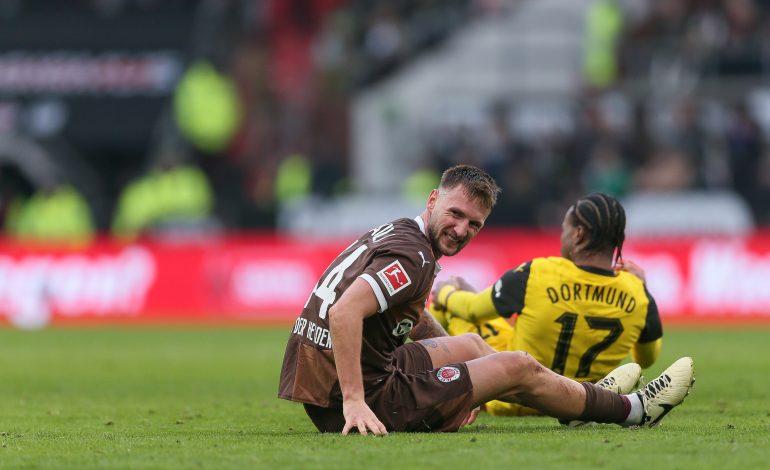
(206, 398)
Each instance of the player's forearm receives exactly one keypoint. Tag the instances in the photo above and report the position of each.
(427, 327)
(645, 354)
(470, 306)
(346, 331)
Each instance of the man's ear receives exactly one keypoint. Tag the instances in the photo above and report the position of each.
(432, 199)
(580, 235)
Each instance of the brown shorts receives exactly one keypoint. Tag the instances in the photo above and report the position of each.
(414, 398)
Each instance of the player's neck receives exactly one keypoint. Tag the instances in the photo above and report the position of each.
(425, 216)
(593, 260)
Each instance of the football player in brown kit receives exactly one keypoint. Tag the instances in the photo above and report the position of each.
(347, 361)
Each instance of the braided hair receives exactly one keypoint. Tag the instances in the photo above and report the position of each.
(604, 218)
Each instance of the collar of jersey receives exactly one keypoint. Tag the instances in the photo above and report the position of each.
(419, 221)
(421, 224)
(595, 270)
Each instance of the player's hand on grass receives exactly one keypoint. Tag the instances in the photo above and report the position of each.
(631, 267)
(358, 415)
(471, 418)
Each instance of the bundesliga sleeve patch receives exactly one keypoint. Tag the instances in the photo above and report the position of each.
(448, 374)
(394, 277)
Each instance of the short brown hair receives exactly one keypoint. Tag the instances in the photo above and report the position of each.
(476, 182)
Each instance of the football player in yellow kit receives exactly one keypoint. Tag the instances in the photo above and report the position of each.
(580, 314)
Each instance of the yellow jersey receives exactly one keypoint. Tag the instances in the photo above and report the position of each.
(580, 322)
(497, 332)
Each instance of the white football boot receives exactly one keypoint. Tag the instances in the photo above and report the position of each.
(623, 380)
(666, 391)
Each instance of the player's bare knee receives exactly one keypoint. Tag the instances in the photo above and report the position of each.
(521, 364)
(477, 345)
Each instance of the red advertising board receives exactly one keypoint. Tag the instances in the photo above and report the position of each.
(261, 278)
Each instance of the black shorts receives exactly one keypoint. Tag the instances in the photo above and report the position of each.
(415, 397)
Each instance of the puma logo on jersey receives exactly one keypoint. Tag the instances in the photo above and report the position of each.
(424, 261)
(394, 277)
(498, 288)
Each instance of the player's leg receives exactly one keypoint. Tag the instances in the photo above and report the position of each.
(453, 349)
(446, 394)
(622, 380)
(424, 397)
(510, 376)
(517, 377)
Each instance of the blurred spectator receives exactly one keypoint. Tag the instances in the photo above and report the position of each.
(56, 214)
(497, 141)
(383, 39)
(293, 179)
(604, 22)
(655, 39)
(328, 173)
(742, 51)
(519, 201)
(606, 172)
(420, 183)
(744, 148)
(174, 197)
(206, 107)
(667, 170)
(687, 135)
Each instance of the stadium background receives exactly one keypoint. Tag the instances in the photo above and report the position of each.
(187, 161)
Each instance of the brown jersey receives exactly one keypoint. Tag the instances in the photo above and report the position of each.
(397, 261)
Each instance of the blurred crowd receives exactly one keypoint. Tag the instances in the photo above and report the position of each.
(296, 71)
(696, 39)
(672, 100)
(260, 116)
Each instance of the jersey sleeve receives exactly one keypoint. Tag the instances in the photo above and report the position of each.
(653, 328)
(508, 292)
(395, 277)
